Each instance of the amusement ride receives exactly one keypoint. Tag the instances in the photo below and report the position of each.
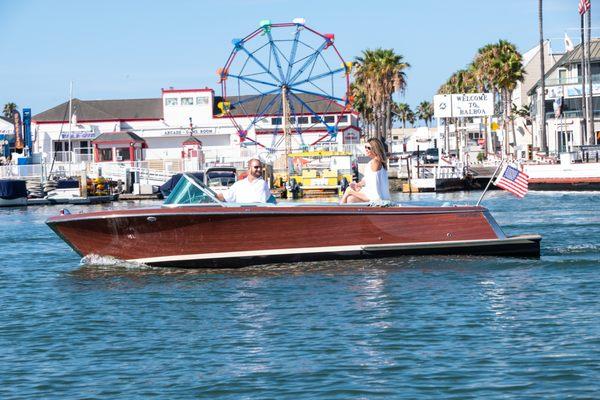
(285, 77)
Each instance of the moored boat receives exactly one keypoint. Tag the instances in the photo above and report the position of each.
(193, 229)
(13, 192)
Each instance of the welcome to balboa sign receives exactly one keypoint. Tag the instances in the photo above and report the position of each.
(463, 105)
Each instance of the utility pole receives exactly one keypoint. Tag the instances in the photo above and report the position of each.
(286, 132)
(591, 131)
(584, 128)
(543, 142)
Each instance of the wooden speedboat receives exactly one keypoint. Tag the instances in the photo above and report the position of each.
(193, 229)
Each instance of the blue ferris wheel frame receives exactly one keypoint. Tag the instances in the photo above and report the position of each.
(286, 74)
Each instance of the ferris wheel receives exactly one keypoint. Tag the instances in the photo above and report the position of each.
(288, 83)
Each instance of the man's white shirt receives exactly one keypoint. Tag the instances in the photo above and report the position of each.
(244, 191)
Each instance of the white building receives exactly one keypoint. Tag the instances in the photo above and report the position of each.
(155, 129)
(565, 127)
(7, 136)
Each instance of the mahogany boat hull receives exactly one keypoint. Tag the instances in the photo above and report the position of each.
(211, 237)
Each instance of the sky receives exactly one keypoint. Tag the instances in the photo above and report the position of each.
(131, 49)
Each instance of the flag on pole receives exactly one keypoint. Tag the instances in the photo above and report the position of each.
(513, 180)
(584, 6)
(569, 46)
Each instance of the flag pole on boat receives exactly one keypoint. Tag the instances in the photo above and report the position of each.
(70, 118)
(489, 182)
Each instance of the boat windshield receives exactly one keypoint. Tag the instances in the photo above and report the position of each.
(190, 190)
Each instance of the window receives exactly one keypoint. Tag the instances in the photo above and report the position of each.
(292, 120)
(105, 154)
(123, 154)
(61, 146)
(187, 101)
(201, 100)
(170, 101)
(562, 75)
(329, 119)
(315, 120)
(302, 120)
(85, 147)
(343, 118)
(276, 121)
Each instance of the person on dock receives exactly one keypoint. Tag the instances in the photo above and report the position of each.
(374, 186)
(252, 189)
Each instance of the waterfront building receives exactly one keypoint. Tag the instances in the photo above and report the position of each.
(565, 127)
(524, 138)
(7, 137)
(156, 129)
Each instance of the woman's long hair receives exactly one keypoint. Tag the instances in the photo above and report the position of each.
(379, 150)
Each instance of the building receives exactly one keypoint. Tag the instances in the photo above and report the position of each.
(156, 129)
(7, 136)
(565, 127)
(524, 136)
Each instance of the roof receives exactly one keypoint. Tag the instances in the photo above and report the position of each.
(6, 119)
(132, 109)
(192, 140)
(271, 104)
(572, 57)
(123, 136)
(104, 110)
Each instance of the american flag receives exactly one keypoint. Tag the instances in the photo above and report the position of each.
(513, 180)
(584, 6)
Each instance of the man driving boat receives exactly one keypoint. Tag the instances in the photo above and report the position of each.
(252, 189)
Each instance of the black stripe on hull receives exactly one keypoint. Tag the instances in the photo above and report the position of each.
(529, 248)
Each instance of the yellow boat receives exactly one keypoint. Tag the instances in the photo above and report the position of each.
(317, 174)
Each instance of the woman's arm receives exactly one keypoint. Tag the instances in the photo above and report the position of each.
(376, 165)
(358, 185)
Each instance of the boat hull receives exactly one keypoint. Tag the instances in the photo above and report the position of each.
(240, 236)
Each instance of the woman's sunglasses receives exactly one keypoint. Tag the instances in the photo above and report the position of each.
(368, 147)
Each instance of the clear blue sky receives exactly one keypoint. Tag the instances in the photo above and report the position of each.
(132, 49)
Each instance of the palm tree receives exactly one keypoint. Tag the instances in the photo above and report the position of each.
(359, 103)
(509, 66)
(425, 112)
(9, 108)
(402, 111)
(380, 73)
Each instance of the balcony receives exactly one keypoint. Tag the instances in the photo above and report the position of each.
(572, 114)
(571, 81)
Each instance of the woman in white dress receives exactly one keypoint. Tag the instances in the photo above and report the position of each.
(375, 185)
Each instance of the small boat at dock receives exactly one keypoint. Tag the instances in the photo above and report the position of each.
(194, 229)
(13, 192)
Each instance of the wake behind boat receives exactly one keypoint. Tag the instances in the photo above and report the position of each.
(194, 229)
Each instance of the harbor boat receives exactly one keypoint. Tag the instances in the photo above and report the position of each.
(194, 229)
(13, 192)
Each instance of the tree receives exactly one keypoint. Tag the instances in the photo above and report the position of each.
(510, 71)
(402, 112)
(359, 103)
(9, 108)
(380, 73)
(425, 112)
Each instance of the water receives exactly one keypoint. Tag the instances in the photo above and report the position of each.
(413, 327)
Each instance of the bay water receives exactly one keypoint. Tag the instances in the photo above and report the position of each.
(406, 327)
